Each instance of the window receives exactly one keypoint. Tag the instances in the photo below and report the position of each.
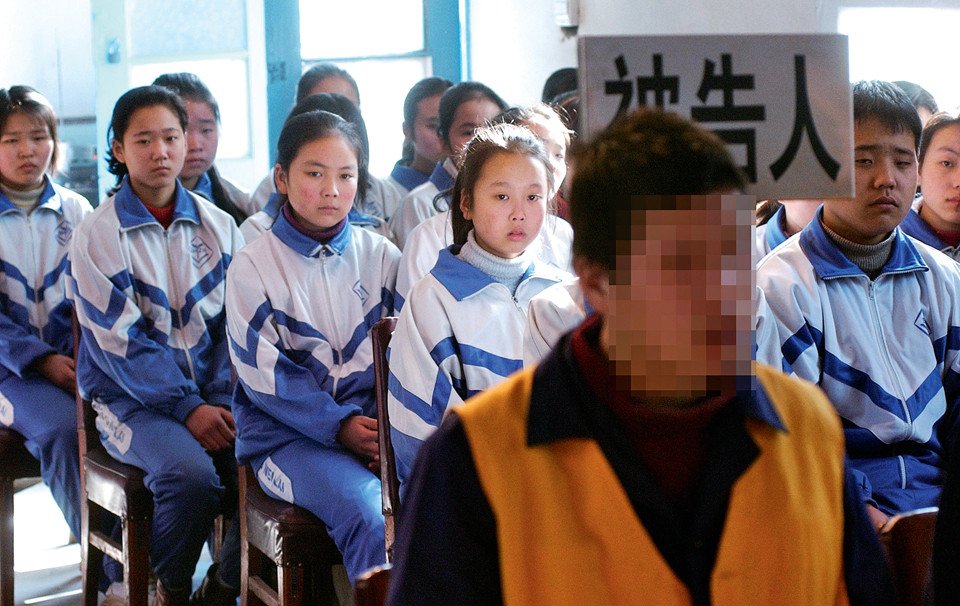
(899, 43)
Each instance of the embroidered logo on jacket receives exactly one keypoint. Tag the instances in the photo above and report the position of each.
(64, 231)
(361, 291)
(921, 323)
(199, 252)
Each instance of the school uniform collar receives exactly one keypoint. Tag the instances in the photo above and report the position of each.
(775, 232)
(273, 205)
(204, 187)
(132, 212)
(307, 246)
(355, 217)
(560, 400)
(444, 175)
(829, 262)
(48, 200)
(463, 280)
(408, 177)
(913, 225)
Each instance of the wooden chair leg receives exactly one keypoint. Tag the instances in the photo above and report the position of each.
(291, 585)
(6, 541)
(136, 567)
(91, 558)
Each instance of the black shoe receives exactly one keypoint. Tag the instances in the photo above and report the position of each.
(213, 591)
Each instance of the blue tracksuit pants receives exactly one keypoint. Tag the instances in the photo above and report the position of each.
(47, 417)
(336, 487)
(188, 493)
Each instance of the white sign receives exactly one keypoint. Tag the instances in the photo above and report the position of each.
(781, 103)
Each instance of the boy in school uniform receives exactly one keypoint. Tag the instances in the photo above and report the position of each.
(644, 456)
(871, 315)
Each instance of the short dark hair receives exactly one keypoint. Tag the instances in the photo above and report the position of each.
(919, 96)
(564, 80)
(646, 153)
(128, 103)
(22, 99)
(309, 126)
(457, 95)
(489, 141)
(319, 72)
(339, 105)
(889, 105)
(936, 123)
(424, 89)
(191, 88)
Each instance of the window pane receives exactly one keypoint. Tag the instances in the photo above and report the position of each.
(919, 59)
(360, 28)
(227, 80)
(383, 85)
(174, 27)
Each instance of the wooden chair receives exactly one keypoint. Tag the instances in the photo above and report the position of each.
(908, 540)
(17, 463)
(281, 538)
(372, 587)
(390, 485)
(110, 487)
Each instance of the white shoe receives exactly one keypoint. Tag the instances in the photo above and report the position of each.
(116, 595)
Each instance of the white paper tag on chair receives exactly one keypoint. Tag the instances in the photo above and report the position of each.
(6, 411)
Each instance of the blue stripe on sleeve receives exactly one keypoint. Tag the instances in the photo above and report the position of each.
(807, 336)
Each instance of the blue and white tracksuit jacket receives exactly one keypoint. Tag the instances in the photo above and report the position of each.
(553, 246)
(150, 302)
(404, 179)
(769, 235)
(418, 205)
(886, 352)
(915, 227)
(299, 315)
(34, 322)
(459, 333)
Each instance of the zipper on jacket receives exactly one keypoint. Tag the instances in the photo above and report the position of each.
(175, 297)
(36, 277)
(336, 334)
(886, 356)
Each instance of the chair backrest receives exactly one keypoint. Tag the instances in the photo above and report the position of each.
(372, 586)
(380, 335)
(908, 540)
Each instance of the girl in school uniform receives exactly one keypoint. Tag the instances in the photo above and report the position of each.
(461, 330)
(422, 148)
(150, 270)
(199, 175)
(343, 107)
(301, 300)
(553, 245)
(935, 216)
(37, 219)
(464, 108)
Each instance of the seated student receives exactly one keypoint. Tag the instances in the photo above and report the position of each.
(868, 314)
(464, 108)
(422, 148)
(777, 220)
(426, 240)
(149, 267)
(461, 330)
(199, 175)
(669, 470)
(37, 219)
(921, 99)
(340, 106)
(935, 216)
(382, 198)
(301, 301)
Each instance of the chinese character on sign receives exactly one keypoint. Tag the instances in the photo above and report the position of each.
(803, 121)
(665, 89)
(727, 82)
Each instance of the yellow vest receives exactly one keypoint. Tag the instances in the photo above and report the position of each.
(568, 534)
